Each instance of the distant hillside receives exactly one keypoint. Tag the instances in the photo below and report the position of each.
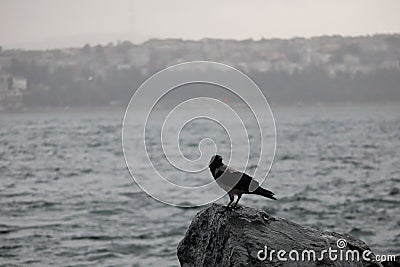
(320, 69)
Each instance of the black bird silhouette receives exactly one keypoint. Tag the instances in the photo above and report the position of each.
(235, 182)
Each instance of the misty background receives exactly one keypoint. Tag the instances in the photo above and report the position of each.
(96, 53)
(45, 24)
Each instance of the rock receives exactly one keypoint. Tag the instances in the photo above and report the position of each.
(239, 238)
(391, 263)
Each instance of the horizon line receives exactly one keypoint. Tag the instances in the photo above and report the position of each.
(116, 42)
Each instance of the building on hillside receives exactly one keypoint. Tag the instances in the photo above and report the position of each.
(11, 92)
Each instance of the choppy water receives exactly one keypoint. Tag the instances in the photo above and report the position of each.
(66, 198)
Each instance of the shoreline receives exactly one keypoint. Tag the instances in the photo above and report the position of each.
(79, 109)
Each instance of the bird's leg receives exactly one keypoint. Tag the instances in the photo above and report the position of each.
(237, 201)
(231, 197)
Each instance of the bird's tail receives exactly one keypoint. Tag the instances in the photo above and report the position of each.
(264, 192)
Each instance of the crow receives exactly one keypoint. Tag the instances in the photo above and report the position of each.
(235, 182)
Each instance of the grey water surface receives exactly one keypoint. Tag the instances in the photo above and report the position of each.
(67, 199)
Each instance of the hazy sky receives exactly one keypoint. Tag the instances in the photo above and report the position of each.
(58, 23)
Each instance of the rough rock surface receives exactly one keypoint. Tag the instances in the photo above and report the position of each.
(233, 238)
(390, 263)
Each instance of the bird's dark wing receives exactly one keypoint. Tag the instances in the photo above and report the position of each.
(235, 179)
(245, 182)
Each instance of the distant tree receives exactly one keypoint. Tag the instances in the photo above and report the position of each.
(37, 73)
(125, 45)
(100, 54)
(346, 49)
(19, 67)
(86, 49)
